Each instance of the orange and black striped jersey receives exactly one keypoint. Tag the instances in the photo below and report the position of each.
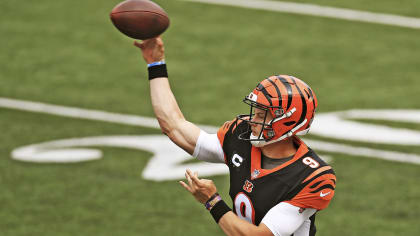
(305, 181)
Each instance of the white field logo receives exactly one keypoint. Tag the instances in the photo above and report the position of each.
(167, 162)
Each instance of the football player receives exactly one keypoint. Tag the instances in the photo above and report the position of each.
(277, 183)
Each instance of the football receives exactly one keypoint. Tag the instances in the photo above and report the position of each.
(140, 19)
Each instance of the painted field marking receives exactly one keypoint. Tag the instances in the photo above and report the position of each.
(88, 114)
(152, 123)
(167, 161)
(321, 11)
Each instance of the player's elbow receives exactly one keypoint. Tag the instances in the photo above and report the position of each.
(168, 127)
(165, 127)
(169, 119)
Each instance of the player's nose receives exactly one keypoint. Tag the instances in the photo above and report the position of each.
(253, 120)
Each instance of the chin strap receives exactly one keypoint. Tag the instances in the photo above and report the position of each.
(257, 143)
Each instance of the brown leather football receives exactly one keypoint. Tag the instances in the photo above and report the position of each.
(139, 19)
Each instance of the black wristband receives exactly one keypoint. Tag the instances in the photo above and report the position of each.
(219, 210)
(157, 71)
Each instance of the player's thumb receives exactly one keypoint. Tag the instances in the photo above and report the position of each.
(139, 45)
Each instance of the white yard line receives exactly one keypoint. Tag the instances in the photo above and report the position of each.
(88, 114)
(322, 11)
(152, 123)
(78, 113)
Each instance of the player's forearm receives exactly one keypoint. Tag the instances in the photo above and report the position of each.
(170, 117)
(232, 225)
(164, 105)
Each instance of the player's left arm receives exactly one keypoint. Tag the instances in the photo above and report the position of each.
(231, 224)
(316, 190)
(283, 219)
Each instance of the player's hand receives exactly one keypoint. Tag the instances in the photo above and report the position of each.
(201, 189)
(152, 49)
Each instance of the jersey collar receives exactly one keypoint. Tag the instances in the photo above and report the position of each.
(258, 172)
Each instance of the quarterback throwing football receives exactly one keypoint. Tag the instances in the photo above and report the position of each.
(277, 183)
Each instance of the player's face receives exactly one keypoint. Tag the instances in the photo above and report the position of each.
(259, 118)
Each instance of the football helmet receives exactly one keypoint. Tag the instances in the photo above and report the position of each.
(291, 103)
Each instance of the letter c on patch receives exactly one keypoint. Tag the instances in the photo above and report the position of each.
(237, 160)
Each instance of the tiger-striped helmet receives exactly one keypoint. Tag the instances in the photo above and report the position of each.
(291, 103)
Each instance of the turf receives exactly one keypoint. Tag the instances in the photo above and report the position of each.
(68, 53)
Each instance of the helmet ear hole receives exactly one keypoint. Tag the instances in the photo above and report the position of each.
(289, 123)
(279, 112)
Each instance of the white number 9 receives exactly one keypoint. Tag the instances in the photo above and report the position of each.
(244, 208)
(310, 162)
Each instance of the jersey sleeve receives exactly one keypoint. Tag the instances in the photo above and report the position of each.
(208, 148)
(317, 189)
(286, 219)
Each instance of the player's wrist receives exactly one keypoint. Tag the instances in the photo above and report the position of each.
(157, 70)
(212, 201)
(156, 63)
(219, 210)
(217, 207)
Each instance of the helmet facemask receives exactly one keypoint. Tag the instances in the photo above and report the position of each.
(291, 104)
(267, 132)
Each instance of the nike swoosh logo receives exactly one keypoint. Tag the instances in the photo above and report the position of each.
(324, 194)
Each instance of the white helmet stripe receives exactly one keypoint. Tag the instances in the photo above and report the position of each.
(288, 134)
(286, 115)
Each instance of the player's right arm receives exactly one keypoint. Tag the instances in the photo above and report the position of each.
(171, 120)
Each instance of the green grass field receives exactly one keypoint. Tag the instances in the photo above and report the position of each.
(68, 53)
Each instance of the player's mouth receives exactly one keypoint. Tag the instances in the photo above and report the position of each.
(255, 133)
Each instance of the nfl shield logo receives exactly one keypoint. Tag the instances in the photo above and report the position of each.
(255, 173)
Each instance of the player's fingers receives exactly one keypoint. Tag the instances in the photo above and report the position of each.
(139, 45)
(159, 41)
(189, 179)
(196, 180)
(185, 186)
